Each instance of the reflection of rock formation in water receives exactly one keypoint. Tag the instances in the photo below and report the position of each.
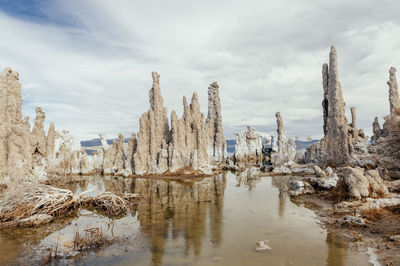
(175, 208)
(248, 178)
(337, 254)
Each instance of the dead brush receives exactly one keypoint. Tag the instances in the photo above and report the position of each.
(93, 239)
(107, 203)
(28, 198)
(374, 214)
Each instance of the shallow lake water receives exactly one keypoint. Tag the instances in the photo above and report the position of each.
(209, 221)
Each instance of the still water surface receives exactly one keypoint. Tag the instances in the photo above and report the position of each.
(210, 221)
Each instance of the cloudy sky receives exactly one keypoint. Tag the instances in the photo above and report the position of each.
(88, 63)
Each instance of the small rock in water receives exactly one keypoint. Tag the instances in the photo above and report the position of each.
(262, 246)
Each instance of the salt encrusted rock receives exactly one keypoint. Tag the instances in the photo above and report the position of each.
(387, 140)
(342, 144)
(188, 142)
(252, 147)
(286, 148)
(51, 142)
(326, 179)
(362, 184)
(152, 134)
(215, 133)
(131, 149)
(298, 187)
(15, 137)
(39, 146)
(377, 130)
(393, 92)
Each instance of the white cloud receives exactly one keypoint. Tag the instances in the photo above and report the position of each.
(93, 73)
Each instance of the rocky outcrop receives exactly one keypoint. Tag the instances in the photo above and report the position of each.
(130, 151)
(153, 134)
(387, 140)
(188, 141)
(362, 183)
(340, 140)
(215, 133)
(286, 152)
(15, 136)
(393, 92)
(253, 148)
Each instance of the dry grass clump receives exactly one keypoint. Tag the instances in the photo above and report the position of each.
(28, 198)
(107, 203)
(374, 214)
(93, 238)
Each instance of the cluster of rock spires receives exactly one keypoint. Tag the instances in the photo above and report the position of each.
(386, 140)
(193, 143)
(360, 166)
(255, 148)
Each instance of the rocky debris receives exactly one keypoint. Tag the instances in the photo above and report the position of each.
(362, 183)
(262, 246)
(215, 133)
(298, 187)
(353, 220)
(286, 152)
(394, 238)
(327, 179)
(35, 220)
(342, 144)
(252, 147)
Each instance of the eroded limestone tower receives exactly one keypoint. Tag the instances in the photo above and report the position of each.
(153, 134)
(215, 133)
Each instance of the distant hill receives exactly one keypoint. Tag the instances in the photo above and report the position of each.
(230, 143)
(97, 142)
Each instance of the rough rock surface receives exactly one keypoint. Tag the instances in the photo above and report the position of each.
(253, 147)
(342, 144)
(387, 140)
(362, 183)
(215, 133)
(153, 133)
(188, 142)
(15, 136)
(286, 152)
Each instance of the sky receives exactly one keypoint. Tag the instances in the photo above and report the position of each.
(88, 63)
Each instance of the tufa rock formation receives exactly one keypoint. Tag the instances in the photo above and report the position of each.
(286, 148)
(253, 148)
(153, 134)
(191, 144)
(215, 134)
(340, 140)
(15, 137)
(387, 140)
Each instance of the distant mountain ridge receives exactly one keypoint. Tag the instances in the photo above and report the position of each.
(230, 144)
